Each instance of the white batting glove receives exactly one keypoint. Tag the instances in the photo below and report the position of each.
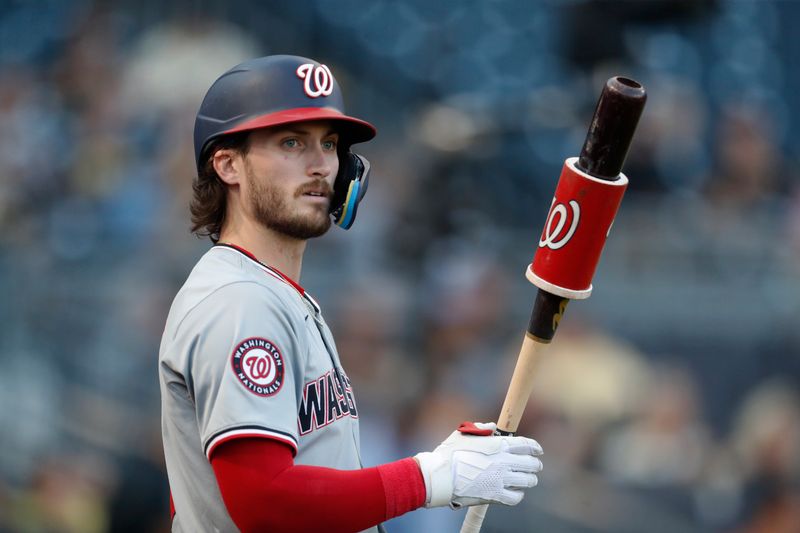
(473, 466)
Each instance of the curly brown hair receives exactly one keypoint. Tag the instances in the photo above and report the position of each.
(209, 193)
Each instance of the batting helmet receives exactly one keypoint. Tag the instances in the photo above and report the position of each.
(283, 89)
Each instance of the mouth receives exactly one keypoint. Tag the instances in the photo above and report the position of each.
(320, 198)
(317, 191)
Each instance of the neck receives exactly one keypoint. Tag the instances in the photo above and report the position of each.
(270, 247)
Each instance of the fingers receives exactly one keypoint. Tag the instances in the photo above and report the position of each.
(520, 480)
(510, 497)
(523, 446)
(523, 463)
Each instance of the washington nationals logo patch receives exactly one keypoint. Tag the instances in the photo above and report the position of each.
(258, 364)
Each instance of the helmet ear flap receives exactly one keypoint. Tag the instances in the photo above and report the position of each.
(349, 188)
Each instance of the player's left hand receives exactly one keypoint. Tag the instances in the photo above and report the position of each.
(475, 466)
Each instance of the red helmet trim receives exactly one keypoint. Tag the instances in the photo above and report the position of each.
(363, 131)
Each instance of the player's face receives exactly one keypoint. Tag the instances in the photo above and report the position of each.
(290, 172)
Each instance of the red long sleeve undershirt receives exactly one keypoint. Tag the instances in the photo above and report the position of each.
(264, 490)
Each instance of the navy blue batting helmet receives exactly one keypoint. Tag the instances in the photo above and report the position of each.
(283, 89)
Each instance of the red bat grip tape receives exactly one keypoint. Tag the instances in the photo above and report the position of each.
(575, 232)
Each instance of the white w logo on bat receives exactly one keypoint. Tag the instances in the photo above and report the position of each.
(551, 237)
(318, 76)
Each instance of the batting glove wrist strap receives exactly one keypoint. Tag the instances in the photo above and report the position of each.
(471, 469)
(438, 476)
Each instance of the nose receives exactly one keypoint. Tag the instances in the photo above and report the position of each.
(320, 163)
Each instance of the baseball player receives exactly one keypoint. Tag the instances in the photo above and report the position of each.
(259, 418)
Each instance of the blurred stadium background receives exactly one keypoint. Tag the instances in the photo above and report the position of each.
(669, 401)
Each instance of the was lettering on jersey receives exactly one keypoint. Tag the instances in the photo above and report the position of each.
(325, 400)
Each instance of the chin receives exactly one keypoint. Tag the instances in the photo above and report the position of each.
(302, 228)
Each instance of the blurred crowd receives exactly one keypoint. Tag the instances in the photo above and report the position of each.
(669, 401)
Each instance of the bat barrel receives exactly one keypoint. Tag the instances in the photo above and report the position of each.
(611, 131)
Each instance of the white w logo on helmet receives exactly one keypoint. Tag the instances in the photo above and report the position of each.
(318, 79)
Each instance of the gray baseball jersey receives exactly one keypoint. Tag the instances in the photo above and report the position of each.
(246, 352)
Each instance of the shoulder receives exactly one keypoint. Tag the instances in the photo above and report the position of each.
(226, 286)
(246, 299)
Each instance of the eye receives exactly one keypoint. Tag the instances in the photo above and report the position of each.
(291, 143)
(329, 145)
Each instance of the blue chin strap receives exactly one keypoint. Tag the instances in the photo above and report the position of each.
(355, 178)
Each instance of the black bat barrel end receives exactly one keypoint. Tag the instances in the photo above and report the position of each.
(627, 87)
(611, 131)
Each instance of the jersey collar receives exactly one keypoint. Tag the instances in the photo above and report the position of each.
(275, 272)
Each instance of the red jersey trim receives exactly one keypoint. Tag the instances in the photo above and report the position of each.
(238, 433)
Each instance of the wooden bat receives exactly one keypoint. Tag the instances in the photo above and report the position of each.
(610, 134)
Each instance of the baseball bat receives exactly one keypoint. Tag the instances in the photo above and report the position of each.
(603, 154)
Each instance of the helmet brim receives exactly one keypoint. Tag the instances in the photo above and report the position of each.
(352, 129)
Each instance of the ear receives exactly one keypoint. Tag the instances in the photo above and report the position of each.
(228, 165)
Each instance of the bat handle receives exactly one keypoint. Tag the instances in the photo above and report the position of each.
(510, 415)
(547, 312)
(474, 519)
